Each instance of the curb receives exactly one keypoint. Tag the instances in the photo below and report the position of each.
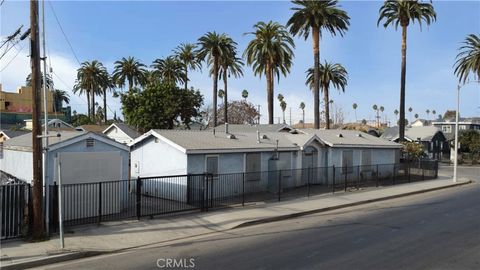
(326, 209)
(53, 259)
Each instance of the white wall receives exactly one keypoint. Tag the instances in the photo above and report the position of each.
(118, 135)
(18, 164)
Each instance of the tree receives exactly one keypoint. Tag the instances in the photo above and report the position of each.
(470, 142)
(381, 111)
(396, 114)
(212, 47)
(169, 70)
(468, 59)
(230, 65)
(283, 105)
(28, 81)
(410, 111)
(428, 113)
(239, 112)
(107, 85)
(90, 78)
(99, 116)
(416, 116)
(316, 16)
(162, 105)
(221, 94)
(270, 52)
(59, 96)
(80, 119)
(402, 12)
(330, 74)
(364, 121)
(245, 94)
(434, 113)
(450, 114)
(187, 55)
(131, 70)
(302, 107)
(355, 106)
(413, 150)
(375, 108)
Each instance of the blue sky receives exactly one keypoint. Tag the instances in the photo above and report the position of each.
(110, 30)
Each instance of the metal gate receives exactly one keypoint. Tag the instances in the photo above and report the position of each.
(15, 200)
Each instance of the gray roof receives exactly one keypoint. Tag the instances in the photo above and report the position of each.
(237, 128)
(425, 133)
(198, 141)
(24, 142)
(130, 131)
(13, 133)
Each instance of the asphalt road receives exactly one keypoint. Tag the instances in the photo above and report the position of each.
(436, 230)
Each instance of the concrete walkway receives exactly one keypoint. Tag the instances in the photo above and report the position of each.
(116, 236)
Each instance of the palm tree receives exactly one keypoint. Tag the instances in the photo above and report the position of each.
(314, 16)
(270, 52)
(59, 96)
(230, 65)
(396, 114)
(28, 80)
(402, 12)
(187, 55)
(381, 111)
(468, 59)
(416, 116)
(355, 110)
(90, 78)
(221, 94)
(245, 94)
(302, 107)
(283, 106)
(212, 47)
(375, 108)
(428, 113)
(434, 113)
(131, 70)
(334, 74)
(169, 70)
(410, 111)
(106, 85)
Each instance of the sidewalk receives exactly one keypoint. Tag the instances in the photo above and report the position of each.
(116, 236)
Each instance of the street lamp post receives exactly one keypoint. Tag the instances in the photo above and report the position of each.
(455, 162)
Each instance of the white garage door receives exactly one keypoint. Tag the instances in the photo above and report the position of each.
(91, 167)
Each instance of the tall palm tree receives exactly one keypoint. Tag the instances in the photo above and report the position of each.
(283, 106)
(468, 59)
(434, 113)
(316, 16)
(50, 85)
(410, 111)
(330, 74)
(169, 70)
(90, 77)
(107, 85)
(131, 70)
(416, 116)
(396, 114)
(355, 106)
(230, 65)
(221, 94)
(375, 108)
(245, 94)
(187, 55)
(381, 111)
(402, 12)
(59, 96)
(270, 52)
(302, 107)
(428, 113)
(212, 46)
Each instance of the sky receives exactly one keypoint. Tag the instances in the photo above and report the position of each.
(110, 30)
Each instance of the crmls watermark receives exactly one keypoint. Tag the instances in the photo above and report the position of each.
(176, 263)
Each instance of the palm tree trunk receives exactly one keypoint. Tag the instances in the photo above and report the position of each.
(215, 86)
(283, 116)
(356, 120)
(93, 106)
(327, 107)
(402, 84)
(316, 76)
(105, 105)
(269, 93)
(186, 77)
(130, 85)
(88, 104)
(225, 99)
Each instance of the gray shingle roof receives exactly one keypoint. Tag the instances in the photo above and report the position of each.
(425, 133)
(236, 128)
(14, 133)
(350, 138)
(132, 133)
(24, 142)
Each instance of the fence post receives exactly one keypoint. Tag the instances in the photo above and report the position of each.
(333, 180)
(279, 186)
(308, 181)
(376, 177)
(358, 176)
(436, 169)
(243, 190)
(394, 172)
(211, 191)
(139, 197)
(204, 192)
(345, 168)
(99, 202)
(423, 170)
(408, 164)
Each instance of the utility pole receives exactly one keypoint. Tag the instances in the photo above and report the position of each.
(258, 123)
(290, 116)
(38, 226)
(45, 120)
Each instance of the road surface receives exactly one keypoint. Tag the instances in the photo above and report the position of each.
(436, 230)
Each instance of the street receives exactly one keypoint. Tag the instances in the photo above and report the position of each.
(436, 230)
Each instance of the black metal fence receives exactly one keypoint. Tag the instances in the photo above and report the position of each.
(15, 205)
(147, 197)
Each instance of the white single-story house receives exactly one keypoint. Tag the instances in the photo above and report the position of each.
(7, 134)
(121, 132)
(182, 152)
(83, 157)
(52, 123)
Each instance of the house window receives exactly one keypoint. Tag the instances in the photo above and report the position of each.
(367, 157)
(447, 129)
(212, 165)
(253, 166)
(89, 142)
(463, 127)
(347, 161)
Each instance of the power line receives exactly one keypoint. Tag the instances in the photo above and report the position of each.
(11, 60)
(63, 32)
